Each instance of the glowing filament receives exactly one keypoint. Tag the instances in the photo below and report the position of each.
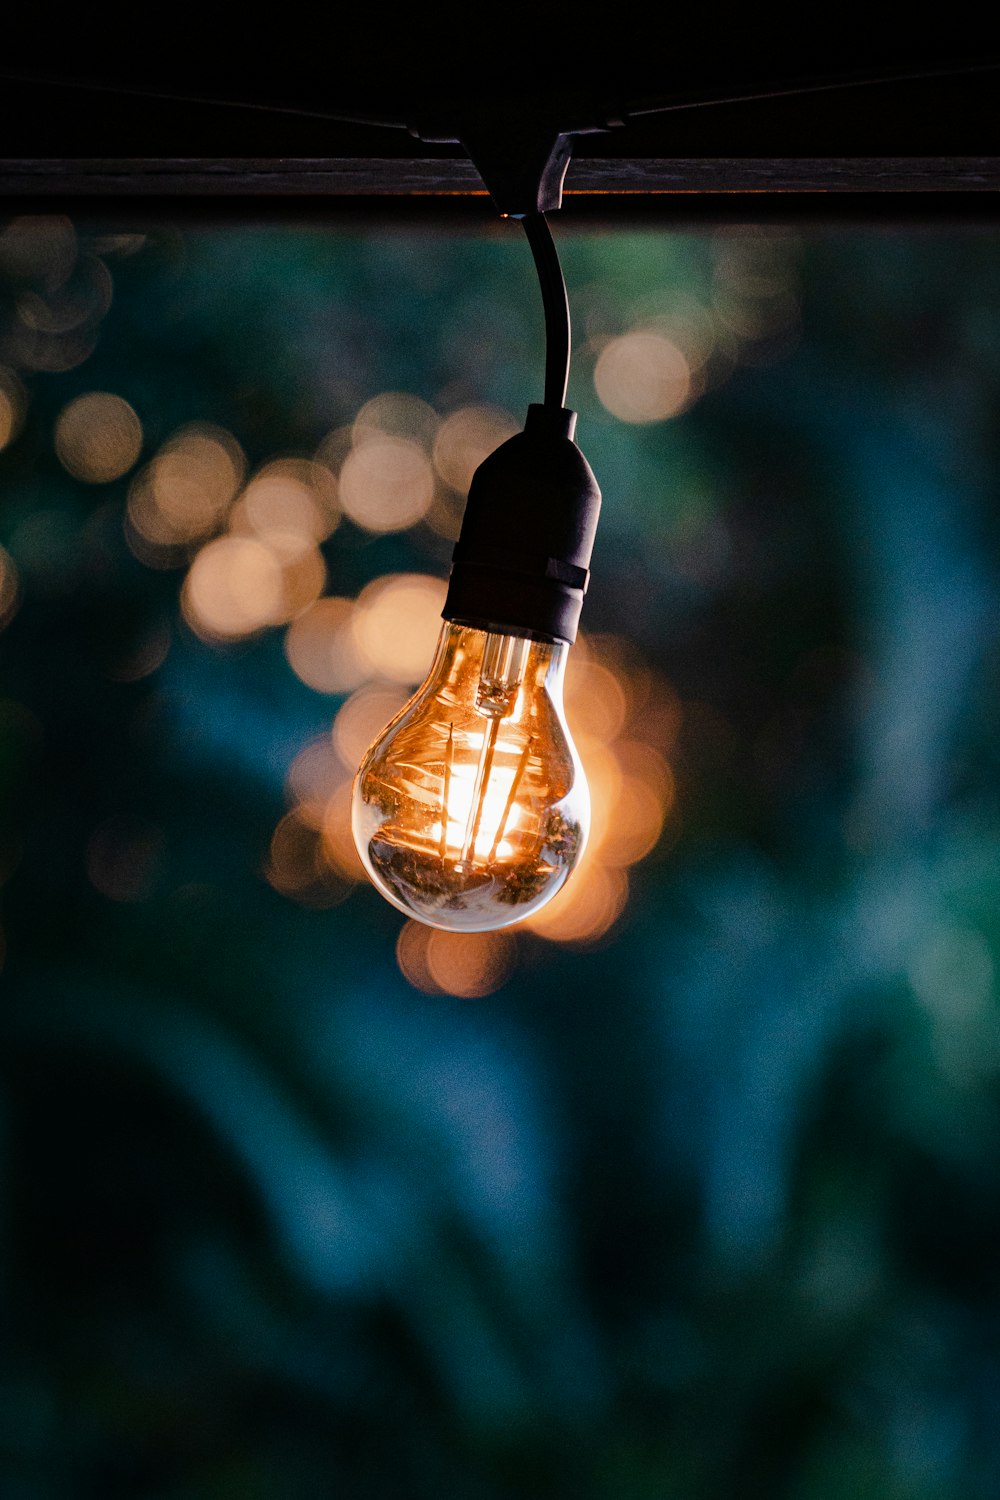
(471, 808)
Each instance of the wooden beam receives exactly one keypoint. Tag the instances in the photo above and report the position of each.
(303, 177)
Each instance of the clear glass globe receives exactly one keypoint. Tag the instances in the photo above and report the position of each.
(471, 808)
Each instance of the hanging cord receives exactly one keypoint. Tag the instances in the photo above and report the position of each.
(556, 306)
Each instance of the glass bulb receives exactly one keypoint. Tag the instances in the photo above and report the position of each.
(471, 808)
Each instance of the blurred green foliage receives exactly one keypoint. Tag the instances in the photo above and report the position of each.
(709, 1211)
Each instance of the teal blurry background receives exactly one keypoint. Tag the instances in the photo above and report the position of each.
(693, 1192)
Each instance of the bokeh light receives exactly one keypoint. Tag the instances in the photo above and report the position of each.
(471, 964)
(234, 587)
(363, 716)
(98, 437)
(468, 965)
(755, 301)
(322, 647)
(386, 484)
(296, 867)
(40, 248)
(141, 658)
(334, 448)
(291, 864)
(269, 569)
(586, 909)
(58, 290)
(185, 493)
(411, 956)
(640, 809)
(291, 496)
(314, 776)
(339, 850)
(595, 699)
(397, 624)
(395, 414)
(303, 572)
(82, 300)
(642, 377)
(467, 436)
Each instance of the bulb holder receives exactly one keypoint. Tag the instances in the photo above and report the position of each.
(522, 561)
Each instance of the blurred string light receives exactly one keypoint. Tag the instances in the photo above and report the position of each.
(233, 588)
(396, 625)
(183, 495)
(755, 294)
(386, 484)
(463, 440)
(62, 287)
(467, 964)
(322, 648)
(252, 550)
(674, 349)
(98, 437)
(251, 547)
(643, 377)
(386, 477)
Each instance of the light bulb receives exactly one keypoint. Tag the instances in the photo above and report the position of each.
(471, 809)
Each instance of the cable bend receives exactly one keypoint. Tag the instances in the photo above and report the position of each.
(555, 304)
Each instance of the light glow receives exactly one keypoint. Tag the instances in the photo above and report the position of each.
(471, 808)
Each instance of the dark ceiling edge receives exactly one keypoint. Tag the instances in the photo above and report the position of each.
(609, 98)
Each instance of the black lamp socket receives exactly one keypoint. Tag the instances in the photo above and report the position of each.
(522, 560)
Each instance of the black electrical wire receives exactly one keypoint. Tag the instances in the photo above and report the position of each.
(555, 303)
